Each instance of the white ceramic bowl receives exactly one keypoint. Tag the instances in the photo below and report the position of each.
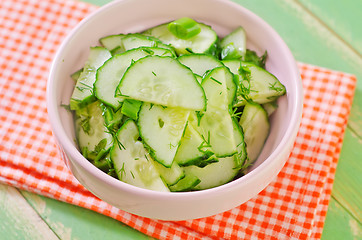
(135, 15)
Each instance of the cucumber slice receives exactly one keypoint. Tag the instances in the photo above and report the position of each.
(193, 149)
(170, 175)
(241, 157)
(255, 83)
(217, 130)
(221, 76)
(214, 174)
(203, 42)
(216, 123)
(270, 107)
(109, 75)
(131, 161)
(93, 137)
(225, 169)
(233, 45)
(255, 124)
(83, 90)
(113, 43)
(185, 184)
(198, 78)
(136, 40)
(199, 63)
(112, 118)
(164, 81)
(161, 130)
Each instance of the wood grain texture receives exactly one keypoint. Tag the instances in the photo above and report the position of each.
(343, 17)
(347, 186)
(18, 220)
(340, 225)
(75, 223)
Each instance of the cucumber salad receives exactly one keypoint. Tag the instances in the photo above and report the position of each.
(175, 107)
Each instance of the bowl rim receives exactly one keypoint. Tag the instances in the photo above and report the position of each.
(66, 143)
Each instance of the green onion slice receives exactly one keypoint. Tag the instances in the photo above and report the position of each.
(184, 28)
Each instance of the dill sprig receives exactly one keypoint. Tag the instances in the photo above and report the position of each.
(205, 142)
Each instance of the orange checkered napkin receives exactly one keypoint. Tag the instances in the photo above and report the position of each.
(293, 206)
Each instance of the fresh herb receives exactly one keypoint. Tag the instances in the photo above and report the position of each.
(189, 50)
(148, 51)
(101, 145)
(161, 123)
(275, 88)
(251, 56)
(218, 82)
(113, 132)
(199, 116)
(119, 144)
(85, 124)
(235, 112)
(119, 93)
(122, 172)
(172, 146)
(244, 91)
(84, 86)
(66, 107)
(132, 174)
(244, 72)
(205, 143)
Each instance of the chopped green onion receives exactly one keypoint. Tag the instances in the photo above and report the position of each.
(230, 52)
(130, 108)
(184, 28)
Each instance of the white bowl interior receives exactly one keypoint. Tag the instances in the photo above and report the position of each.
(136, 15)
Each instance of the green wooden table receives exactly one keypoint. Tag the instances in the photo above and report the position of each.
(326, 33)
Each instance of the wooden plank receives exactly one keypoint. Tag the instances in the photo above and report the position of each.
(344, 17)
(340, 225)
(72, 222)
(19, 220)
(348, 182)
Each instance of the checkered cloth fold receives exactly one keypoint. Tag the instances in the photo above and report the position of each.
(293, 206)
